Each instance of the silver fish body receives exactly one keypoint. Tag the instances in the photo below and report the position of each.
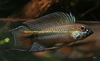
(48, 31)
(64, 33)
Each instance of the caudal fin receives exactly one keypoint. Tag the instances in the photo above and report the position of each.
(20, 37)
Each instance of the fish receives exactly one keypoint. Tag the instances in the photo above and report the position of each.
(51, 31)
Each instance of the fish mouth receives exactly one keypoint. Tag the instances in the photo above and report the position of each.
(84, 35)
(89, 33)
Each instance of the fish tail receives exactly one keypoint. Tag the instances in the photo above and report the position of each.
(22, 39)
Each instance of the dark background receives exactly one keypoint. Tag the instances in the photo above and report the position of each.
(86, 10)
(82, 9)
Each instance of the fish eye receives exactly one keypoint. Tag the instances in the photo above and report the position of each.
(82, 27)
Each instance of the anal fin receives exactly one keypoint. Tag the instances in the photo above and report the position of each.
(37, 47)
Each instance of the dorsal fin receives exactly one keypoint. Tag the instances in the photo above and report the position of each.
(50, 20)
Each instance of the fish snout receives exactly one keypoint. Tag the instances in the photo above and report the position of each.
(89, 32)
(85, 34)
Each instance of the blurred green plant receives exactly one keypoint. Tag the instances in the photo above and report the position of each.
(6, 40)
